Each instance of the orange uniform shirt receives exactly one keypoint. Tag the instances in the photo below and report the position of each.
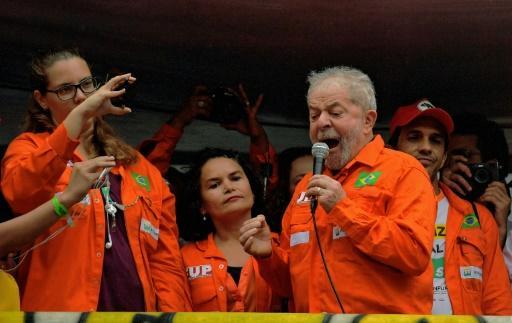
(159, 149)
(475, 270)
(377, 241)
(213, 289)
(64, 274)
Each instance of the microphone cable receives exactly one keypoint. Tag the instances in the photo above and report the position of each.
(338, 299)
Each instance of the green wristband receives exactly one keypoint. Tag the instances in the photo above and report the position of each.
(59, 209)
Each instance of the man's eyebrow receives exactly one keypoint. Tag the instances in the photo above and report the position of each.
(333, 104)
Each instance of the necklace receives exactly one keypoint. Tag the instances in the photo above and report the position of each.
(110, 210)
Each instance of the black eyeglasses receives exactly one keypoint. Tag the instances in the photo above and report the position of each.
(68, 91)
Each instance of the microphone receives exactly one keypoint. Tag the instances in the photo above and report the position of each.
(320, 150)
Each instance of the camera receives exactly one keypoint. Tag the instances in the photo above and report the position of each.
(227, 106)
(127, 98)
(482, 175)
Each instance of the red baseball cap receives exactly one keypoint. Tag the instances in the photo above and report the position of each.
(423, 108)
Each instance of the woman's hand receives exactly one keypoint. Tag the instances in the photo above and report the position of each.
(96, 105)
(84, 174)
(256, 238)
(99, 103)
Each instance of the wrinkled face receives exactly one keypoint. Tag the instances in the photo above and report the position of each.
(337, 121)
(225, 189)
(424, 138)
(63, 72)
(298, 169)
(466, 145)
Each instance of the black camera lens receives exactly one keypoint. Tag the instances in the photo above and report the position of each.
(482, 176)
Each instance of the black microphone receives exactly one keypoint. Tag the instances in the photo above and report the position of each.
(320, 150)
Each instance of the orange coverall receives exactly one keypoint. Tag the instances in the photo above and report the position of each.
(213, 289)
(474, 246)
(64, 274)
(377, 240)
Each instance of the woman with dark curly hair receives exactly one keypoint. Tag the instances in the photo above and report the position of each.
(222, 192)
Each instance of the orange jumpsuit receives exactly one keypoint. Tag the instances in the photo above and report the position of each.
(213, 289)
(485, 290)
(377, 240)
(64, 274)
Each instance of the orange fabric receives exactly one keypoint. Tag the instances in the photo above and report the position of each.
(213, 289)
(159, 149)
(479, 247)
(377, 240)
(64, 274)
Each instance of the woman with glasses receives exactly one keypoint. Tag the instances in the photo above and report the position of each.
(121, 251)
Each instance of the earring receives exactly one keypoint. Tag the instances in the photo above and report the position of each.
(204, 217)
(203, 212)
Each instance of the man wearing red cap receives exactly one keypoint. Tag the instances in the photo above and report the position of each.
(470, 276)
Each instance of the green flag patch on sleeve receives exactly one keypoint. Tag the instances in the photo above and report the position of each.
(141, 180)
(470, 221)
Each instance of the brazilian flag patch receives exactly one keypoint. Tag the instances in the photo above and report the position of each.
(141, 180)
(470, 221)
(367, 179)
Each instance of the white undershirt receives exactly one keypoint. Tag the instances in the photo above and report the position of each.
(441, 304)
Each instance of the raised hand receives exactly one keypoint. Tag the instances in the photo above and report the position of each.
(97, 104)
(199, 104)
(496, 194)
(452, 176)
(256, 238)
(249, 126)
(100, 104)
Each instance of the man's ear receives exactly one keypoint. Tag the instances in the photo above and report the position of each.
(369, 120)
(445, 157)
(40, 99)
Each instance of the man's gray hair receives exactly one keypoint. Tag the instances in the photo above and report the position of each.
(359, 86)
